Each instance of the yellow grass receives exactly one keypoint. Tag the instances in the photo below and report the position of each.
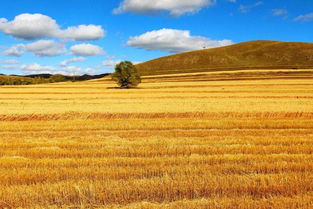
(169, 144)
(244, 56)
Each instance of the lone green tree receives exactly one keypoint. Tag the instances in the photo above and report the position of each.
(126, 75)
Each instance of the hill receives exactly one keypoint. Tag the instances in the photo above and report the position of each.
(247, 55)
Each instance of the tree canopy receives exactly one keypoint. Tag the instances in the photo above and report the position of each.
(126, 75)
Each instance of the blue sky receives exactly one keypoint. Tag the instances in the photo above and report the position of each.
(91, 36)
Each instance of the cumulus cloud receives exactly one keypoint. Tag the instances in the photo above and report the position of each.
(15, 51)
(30, 26)
(10, 67)
(36, 68)
(36, 26)
(44, 48)
(75, 59)
(40, 48)
(83, 33)
(9, 62)
(304, 18)
(86, 50)
(173, 7)
(110, 64)
(247, 8)
(73, 70)
(171, 40)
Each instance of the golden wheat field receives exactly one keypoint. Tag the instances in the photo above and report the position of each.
(174, 142)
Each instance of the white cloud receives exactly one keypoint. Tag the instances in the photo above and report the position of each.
(46, 48)
(3, 20)
(171, 40)
(75, 59)
(86, 50)
(36, 26)
(173, 7)
(30, 26)
(247, 8)
(10, 67)
(40, 48)
(36, 68)
(83, 33)
(15, 51)
(304, 18)
(9, 62)
(73, 70)
(110, 64)
(279, 12)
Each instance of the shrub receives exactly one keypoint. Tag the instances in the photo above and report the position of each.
(126, 75)
(57, 78)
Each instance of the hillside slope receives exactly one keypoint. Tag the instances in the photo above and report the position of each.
(247, 55)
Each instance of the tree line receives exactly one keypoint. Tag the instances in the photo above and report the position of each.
(125, 75)
(44, 78)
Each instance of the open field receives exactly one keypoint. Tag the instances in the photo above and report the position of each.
(178, 141)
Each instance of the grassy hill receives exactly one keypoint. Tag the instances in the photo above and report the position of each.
(247, 55)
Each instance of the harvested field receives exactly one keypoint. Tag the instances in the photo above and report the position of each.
(171, 143)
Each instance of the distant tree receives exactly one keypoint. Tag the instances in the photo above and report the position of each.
(126, 75)
(57, 78)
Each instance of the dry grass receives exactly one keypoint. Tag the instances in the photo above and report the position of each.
(187, 144)
(246, 55)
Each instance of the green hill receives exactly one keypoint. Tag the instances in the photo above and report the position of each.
(247, 55)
